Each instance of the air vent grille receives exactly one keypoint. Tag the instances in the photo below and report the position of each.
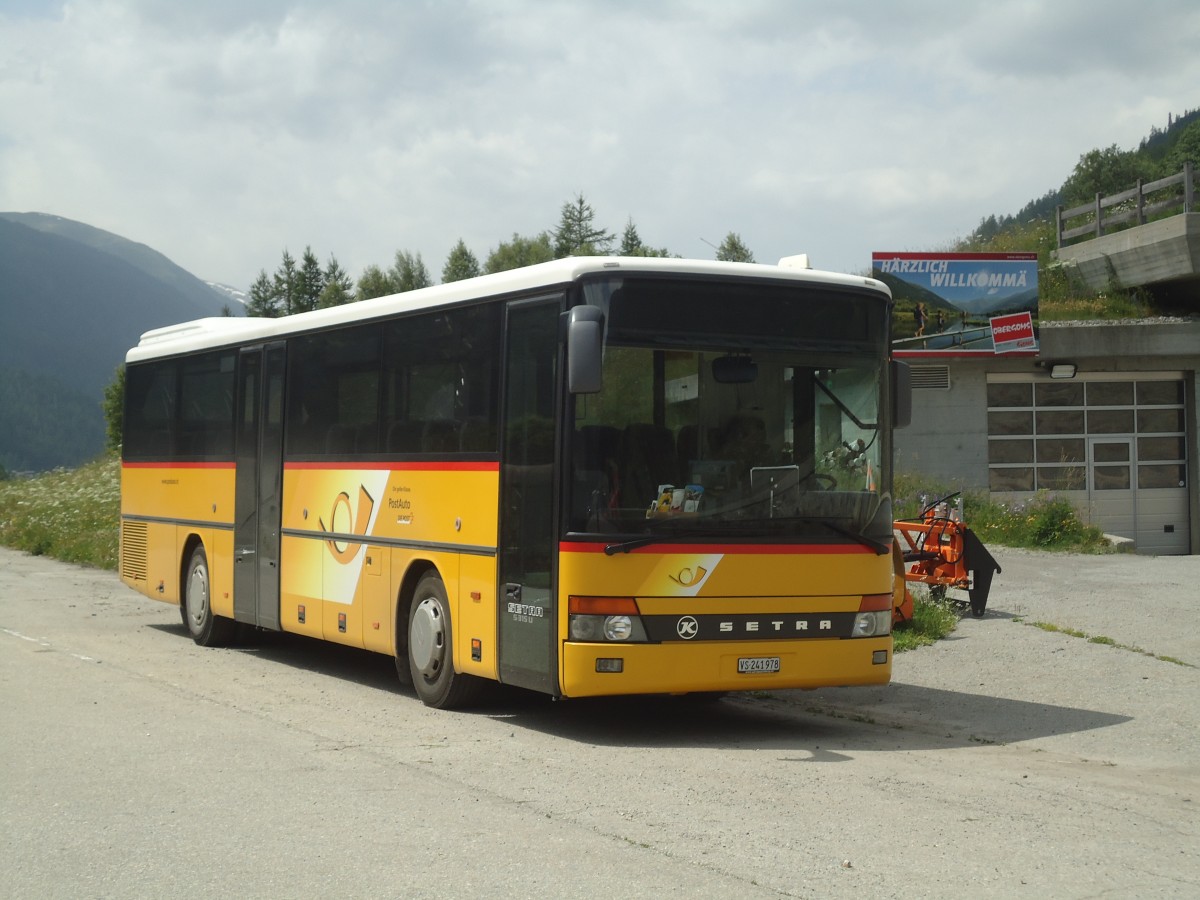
(133, 550)
(931, 378)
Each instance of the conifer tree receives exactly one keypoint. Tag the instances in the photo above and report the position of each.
(577, 233)
(263, 301)
(339, 287)
(408, 272)
(286, 283)
(631, 243)
(460, 264)
(373, 282)
(310, 281)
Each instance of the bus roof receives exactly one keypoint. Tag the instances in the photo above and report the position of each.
(201, 334)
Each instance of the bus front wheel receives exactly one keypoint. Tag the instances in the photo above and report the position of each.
(206, 629)
(430, 649)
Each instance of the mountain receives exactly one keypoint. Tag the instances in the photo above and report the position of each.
(73, 300)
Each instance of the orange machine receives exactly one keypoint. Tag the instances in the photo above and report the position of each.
(940, 551)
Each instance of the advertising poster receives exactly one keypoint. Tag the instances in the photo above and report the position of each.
(961, 304)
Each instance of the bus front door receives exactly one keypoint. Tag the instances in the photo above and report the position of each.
(527, 549)
(258, 486)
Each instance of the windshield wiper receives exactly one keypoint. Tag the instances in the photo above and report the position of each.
(626, 546)
(661, 538)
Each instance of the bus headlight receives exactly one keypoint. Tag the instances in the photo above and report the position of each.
(872, 624)
(605, 620)
(617, 628)
(874, 617)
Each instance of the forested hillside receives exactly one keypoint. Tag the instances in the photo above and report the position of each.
(1101, 171)
(73, 300)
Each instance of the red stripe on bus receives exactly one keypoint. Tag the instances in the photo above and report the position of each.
(226, 464)
(439, 466)
(726, 549)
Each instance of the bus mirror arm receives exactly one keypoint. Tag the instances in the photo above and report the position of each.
(585, 350)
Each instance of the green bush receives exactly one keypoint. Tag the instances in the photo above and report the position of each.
(1044, 522)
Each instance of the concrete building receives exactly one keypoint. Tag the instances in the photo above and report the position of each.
(1105, 416)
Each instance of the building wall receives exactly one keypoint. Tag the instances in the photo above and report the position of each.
(948, 439)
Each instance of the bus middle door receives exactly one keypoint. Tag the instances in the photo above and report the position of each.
(258, 485)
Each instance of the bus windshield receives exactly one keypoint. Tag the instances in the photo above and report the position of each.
(733, 410)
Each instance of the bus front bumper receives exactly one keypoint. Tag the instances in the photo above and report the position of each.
(593, 670)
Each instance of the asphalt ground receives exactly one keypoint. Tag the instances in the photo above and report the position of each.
(1011, 759)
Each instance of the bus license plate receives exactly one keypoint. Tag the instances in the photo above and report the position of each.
(751, 664)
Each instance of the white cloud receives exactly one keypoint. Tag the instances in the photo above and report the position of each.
(222, 132)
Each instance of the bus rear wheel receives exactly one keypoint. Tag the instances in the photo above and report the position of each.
(206, 629)
(430, 649)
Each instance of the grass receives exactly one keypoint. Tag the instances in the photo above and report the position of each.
(932, 620)
(1101, 639)
(69, 515)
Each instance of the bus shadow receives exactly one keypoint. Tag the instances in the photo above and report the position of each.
(296, 651)
(810, 726)
(814, 726)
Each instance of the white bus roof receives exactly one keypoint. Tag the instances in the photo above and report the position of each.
(202, 334)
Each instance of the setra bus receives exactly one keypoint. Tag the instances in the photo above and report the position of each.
(594, 476)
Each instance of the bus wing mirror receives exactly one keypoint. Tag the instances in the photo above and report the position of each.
(585, 350)
(901, 394)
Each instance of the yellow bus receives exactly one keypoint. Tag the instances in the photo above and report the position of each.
(595, 476)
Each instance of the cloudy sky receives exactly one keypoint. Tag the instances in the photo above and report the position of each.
(221, 132)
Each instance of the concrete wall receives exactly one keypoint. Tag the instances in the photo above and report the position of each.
(1162, 251)
(947, 440)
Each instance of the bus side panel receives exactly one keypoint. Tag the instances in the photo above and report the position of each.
(377, 598)
(183, 493)
(341, 563)
(167, 503)
(163, 566)
(301, 607)
(476, 617)
(218, 545)
(791, 583)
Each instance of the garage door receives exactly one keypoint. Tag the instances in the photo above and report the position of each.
(1115, 446)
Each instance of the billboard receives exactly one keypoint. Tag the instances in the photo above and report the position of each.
(961, 304)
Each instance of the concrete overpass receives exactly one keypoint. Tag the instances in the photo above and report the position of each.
(1161, 253)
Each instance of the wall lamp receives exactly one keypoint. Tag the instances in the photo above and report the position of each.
(1060, 369)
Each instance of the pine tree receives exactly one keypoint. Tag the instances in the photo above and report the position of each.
(264, 302)
(373, 282)
(310, 281)
(460, 264)
(577, 234)
(339, 287)
(408, 273)
(631, 243)
(285, 281)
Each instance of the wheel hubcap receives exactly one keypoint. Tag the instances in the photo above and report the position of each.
(427, 638)
(197, 596)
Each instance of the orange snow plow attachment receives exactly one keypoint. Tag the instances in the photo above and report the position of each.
(940, 551)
